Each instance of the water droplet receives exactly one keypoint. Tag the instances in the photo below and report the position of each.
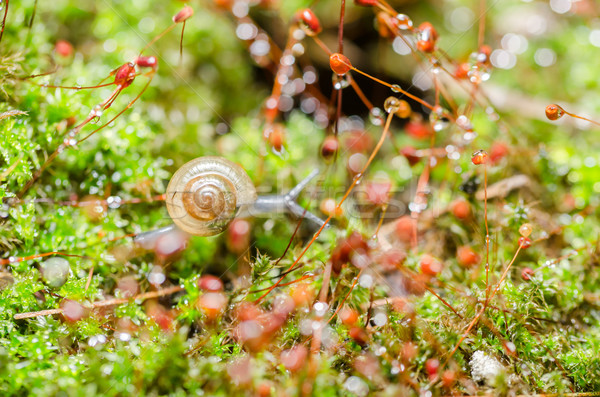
(379, 319)
(404, 21)
(55, 271)
(396, 88)
(391, 104)
(340, 82)
(114, 202)
(376, 116)
(356, 385)
(320, 308)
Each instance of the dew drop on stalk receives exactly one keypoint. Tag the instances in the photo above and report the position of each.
(339, 81)
(391, 104)
(436, 119)
(396, 88)
(404, 21)
(320, 308)
(554, 112)
(376, 116)
(479, 157)
(463, 122)
(525, 230)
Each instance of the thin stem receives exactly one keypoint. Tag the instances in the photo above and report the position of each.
(322, 45)
(487, 232)
(396, 88)
(582, 118)
(181, 44)
(481, 33)
(360, 93)
(11, 260)
(341, 28)
(4, 19)
(157, 37)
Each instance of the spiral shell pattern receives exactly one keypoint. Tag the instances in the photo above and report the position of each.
(205, 194)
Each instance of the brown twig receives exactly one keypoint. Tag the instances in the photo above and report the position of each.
(106, 303)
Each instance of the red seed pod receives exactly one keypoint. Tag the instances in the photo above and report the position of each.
(246, 311)
(347, 248)
(358, 141)
(365, 3)
(212, 304)
(359, 335)
(378, 193)
(479, 157)
(340, 64)
(498, 151)
(405, 228)
(448, 378)
(63, 48)
(524, 242)
(184, 14)
(329, 147)
(391, 260)
(466, 256)
(161, 316)
(427, 37)
(384, 20)
(210, 283)
(302, 294)
(147, 62)
(411, 155)
(294, 359)
(73, 311)
(462, 71)
(417, 130)
(408, 351)
(277, 137)
(432, 366)
(127, 286)
(527, 273)
(348, 316)
(125, 75)
(309, 22)
(264, 389)
(554, 112)
(461, 209)
(430, 266)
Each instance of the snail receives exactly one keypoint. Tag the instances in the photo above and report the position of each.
(207, 193)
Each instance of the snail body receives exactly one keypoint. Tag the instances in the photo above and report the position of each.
(206, 193)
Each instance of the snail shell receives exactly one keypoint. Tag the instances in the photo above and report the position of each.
(205, 194)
